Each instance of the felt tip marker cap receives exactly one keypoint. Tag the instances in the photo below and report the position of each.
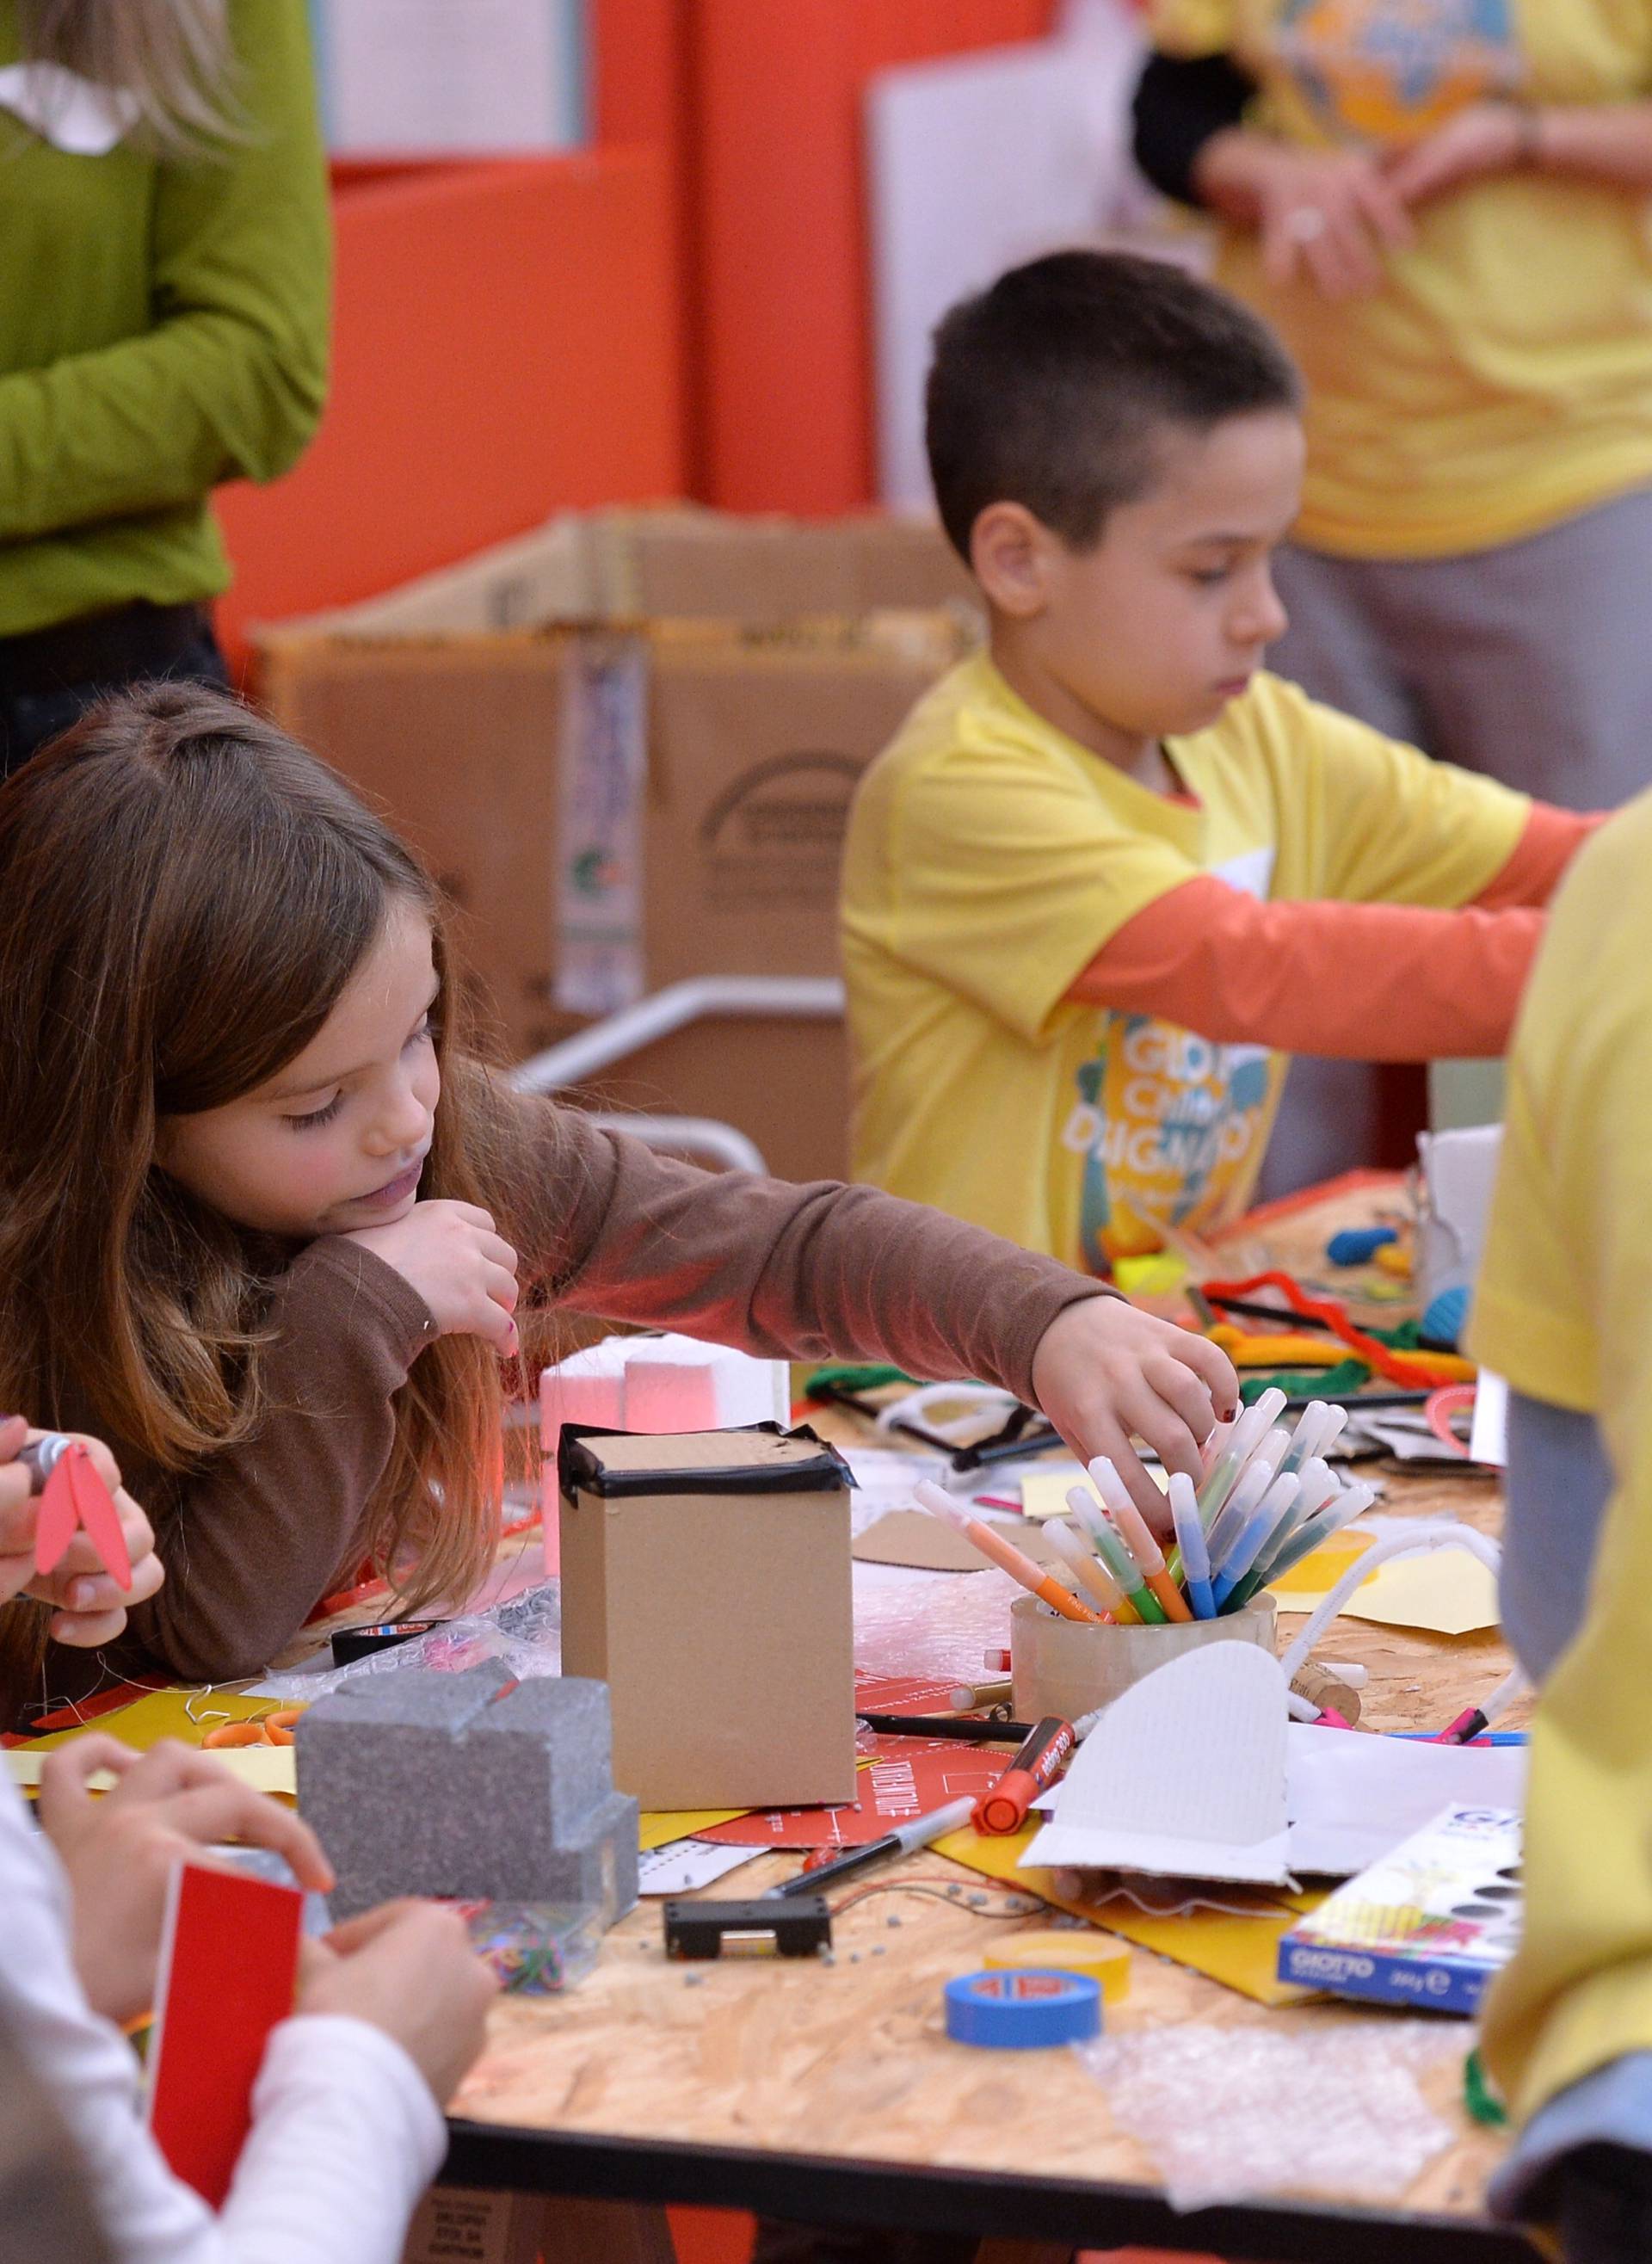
(1117, 1558)
(1090, 1570)
(1238, 1508)
(1138, 1539)
(1254, 1536)
(1190, 1535)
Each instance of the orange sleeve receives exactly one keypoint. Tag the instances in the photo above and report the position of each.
(1370, 981)
(1552, 838)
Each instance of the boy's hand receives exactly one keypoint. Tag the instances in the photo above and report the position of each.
(89, 1608)
(407, 1968)
(119, 1851)
(465, 1273)
(1103, 1371)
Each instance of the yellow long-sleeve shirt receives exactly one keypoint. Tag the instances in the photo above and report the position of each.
(1564, 1310)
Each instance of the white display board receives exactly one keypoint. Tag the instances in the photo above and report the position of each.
(979, 162)
(450, 77)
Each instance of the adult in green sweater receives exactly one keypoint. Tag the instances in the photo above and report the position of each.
(163, 321)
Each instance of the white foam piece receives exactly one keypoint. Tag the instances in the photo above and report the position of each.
(587, 1387)
(677, 1383)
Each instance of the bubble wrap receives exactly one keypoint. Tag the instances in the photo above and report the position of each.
(929, 1623)
(1227, 2113)
(524, 1634)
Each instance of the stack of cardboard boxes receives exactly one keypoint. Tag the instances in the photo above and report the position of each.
(627, 744)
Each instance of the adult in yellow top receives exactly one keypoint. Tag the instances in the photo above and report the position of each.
(1107, 873)
(1442, 205)
(1563, 1309)
(163, 326)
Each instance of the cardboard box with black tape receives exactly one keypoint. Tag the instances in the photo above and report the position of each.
(706, 1579)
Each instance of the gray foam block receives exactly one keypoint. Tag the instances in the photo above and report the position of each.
(425, 1784)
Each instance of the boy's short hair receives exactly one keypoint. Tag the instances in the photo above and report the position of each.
(1047, 389)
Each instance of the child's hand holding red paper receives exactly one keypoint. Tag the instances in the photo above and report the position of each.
(89, 1599)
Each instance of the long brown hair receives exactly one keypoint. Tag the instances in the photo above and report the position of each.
(173, 57)
(183, 896)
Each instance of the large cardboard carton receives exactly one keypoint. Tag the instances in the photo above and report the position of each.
(615, 802)
(706, 1579)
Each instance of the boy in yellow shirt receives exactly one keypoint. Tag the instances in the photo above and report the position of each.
(1109, 873)
(1563, 1309)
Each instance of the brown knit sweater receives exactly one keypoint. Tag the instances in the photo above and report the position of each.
(254, 1541)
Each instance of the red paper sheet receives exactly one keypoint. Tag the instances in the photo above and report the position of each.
(910, 1777)
(229, 1964)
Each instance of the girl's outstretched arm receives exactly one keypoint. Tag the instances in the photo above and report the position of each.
(809, 1272)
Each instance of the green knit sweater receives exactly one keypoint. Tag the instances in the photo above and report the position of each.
(164, 326)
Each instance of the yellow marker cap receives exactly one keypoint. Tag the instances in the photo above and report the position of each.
(1101, 1957)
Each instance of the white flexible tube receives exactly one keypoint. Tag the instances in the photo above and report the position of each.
(1435, 1532)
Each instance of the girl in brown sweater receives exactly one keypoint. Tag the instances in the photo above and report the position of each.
(266, 1227)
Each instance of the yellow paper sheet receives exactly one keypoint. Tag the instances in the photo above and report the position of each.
(1044, 1492)
(1448, 1592)
(266, 1768)
(166, 1714)
(1239, 1952)
(662, 1825)
(1311, 1581)
(1445, 1592)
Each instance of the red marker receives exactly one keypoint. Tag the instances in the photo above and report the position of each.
(1003, 1808)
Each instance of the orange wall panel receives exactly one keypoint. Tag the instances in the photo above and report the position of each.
(784, 364)
(507, 343)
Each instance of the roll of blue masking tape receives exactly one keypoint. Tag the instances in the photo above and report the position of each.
(1022, 2011)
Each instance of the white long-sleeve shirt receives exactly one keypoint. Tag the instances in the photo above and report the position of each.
(345, 2133)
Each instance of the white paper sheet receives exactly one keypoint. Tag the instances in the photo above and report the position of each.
(1489, 1440)
(1352, 1798)
(1184, 1776)
(682, 1865)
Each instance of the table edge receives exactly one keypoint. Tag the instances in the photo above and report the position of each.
(939, 2198)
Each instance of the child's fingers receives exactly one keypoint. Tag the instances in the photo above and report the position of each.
(1183, 1390)
(86, 1630)
(492, 1322)
(226, 1809)
(497, 1252)
(66, 1774)
(79, 1592)
(18, 1513)
(1211, 1366)
(353, 1933)
(501, 1287)
(1149, 1416)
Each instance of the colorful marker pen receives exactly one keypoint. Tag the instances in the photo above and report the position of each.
(1254, 1481)
(1003, 1807)
(1090, 1570)
(1308, 1537)
(1247, 1433)
(1001, 1552)
(1319, 1488)
(1305, 1440)
(1117, 1558)
(1253, 1537)
(1132, 1530)
(1190, 1535)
